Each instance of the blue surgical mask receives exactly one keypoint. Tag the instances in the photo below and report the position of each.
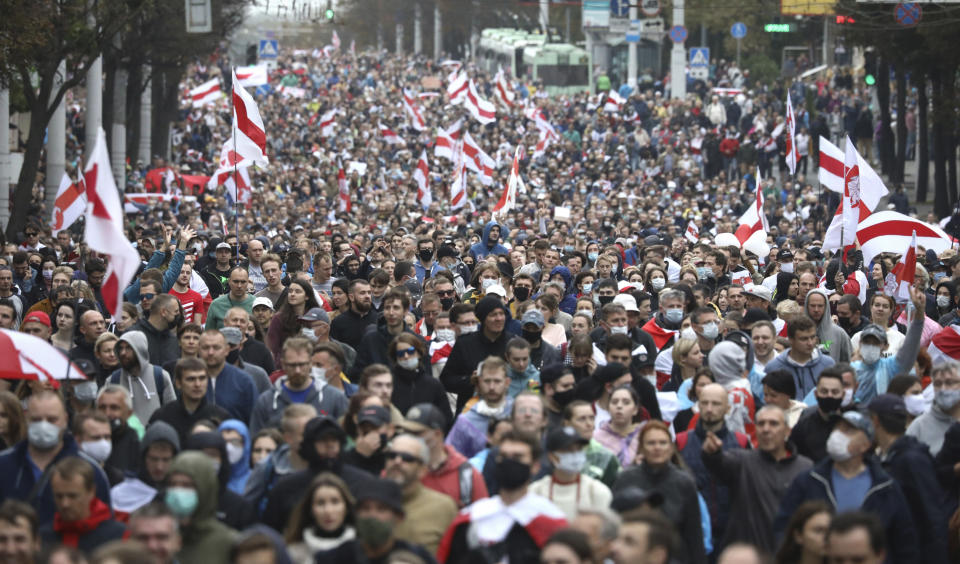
(593, 256)
(674, 315)
(181, 501)
(587, 287)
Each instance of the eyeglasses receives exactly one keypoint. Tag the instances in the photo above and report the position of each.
(31, 234)
(406, 352)
(445, 293)
(404, 456)
(148, 296)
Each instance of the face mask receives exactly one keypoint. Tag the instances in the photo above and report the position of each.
(309, 333)
(658, 283)
(530, 336)
(373, 532)
(446, 303)
(587, 312)
(233, 356)
(511, 474)
(446, 335)
(487, 282)
(619, 330)
(408, 363)
(710, 331)
(837, 446)
(572, 462)
(181, 501)
(847, 397)
(915, 404)
(703, 272)
(786, 267)
(944, 399)
(593, 256)
(43, 435)
(870, 353)
(97, 450)
(467, 329)
(674, 315)
(318, 373)
(568, 248)
(604, 300)
(85, 391)
(943, 301)
(48, 274)
(938, 276)
(588, 287)
(829, 405)
(426, 255)
(652, 379)
(563, 398)
(521, 293)
(234, 453)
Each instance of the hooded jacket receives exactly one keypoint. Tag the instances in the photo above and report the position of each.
(137, 491)
(469, 434)
(143, 388)
(467, 353)
(373, 347)
(162, 346)
(833, 339)
(328, 401)
(240, 470)
(483, 249)
(930, 428)
(232, 509)
(804, 375)
(569, 302)
(204, 538)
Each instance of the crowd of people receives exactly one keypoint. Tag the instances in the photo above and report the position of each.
(575, 380)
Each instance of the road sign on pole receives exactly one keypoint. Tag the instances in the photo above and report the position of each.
(738, 30)
(650, 8)
(700, 62)
(678, 34)
(907, 14)
(620, 8)
(269, 48)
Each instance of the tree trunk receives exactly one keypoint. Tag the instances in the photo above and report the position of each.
(166, 108)
(885, 146)
(898, 169)
(134, 88)
(941, 198)
(23, 207)
(923, 139)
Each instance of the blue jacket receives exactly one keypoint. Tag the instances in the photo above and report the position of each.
(569, 302)
(804, 375)
(422, 270)
(235, 392)
(18, 478)
(884, 499)
(873, 379)
(240, 471)
(132, 293)
(482, 249)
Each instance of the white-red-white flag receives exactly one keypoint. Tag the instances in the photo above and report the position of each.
(751, 234)
(904, 274)
(422, 176)
(793, 155)
(457, 87)
(328, 122)
(477, 160)
(508, 200)
(458, 185)
(390, 136)
(612, 102)
(345, 204)
(239, 187)
(546, 137)
(446, 141)
(504, 89)
(335, 40)
(413, 112)
(104, 232)
(70, 204)
(250, 135)
(886, 231)
(207, 93)
(255, 75)
(842, 231)
(481, 110)
(831, 175)
(692, 233)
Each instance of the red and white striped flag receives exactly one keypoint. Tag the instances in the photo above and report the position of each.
(446, 141)
(328, 122)
(612, 102)
(831, 174)
(207, 93)
(410, 106)
(345, 204)
(70, 204)
(508, 200)
(481, 110)
(458, 186)
(751, 235)
(250, 135)
(477, 160)
(542, 143)
(793, 155)
(457, 87)
(904, 274)
(422, 176)
(255, 75)
(103, 232)
(842, 231)
(886, 230)
(335, 40)
(504, 89)
(390, 136)
(455, 65)
(692, 233)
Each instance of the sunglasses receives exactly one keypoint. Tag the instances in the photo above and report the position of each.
(404, 456)
(31, 234)
(446, 294)
(406, 352)
(147, 296)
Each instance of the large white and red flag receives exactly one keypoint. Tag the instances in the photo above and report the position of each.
(692, 233)
(344, 187)
(546, 137)
(504, 89)
(508, 200)
(478, 160)
(457, 87)
(207, 93)
(481, 110)
(612, 102)
(422, 176)
(335, 40)
(239, 188)
(793, 155)
(70, 204)
(751, 234)
(249, 134)
(446, 141)
(390, 137)
(458, 185)
(254, 75)
(103, 232)
(413, 112)
(904, 273)
(831, 174)
(328, 122)
(842, 231)
(886, 231)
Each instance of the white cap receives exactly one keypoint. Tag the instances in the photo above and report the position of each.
(262, 301)
(498, 290)
(627, 301)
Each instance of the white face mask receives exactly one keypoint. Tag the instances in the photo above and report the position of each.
(710, 330)
(658, 283)
(943, 301)
(408, 363)
(786, 267)
(487, 282)
(572, 462)
(915, 404)
(308, 333)
(467, 329)
(234, 453)
(619, 330)
(318, 373)
(847, 397)
(98, 450)
(446, 335)
(870, 353)
(838, 446)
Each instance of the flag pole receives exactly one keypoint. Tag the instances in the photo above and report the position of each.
(236, 183)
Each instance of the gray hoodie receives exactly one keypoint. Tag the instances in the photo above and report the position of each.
(834, 341)
(268, 410)
(143, 388)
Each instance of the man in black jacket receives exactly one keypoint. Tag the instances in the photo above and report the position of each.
(349, 326)
(470, 349)
(376, 339)
(160, 329)
(190, 378)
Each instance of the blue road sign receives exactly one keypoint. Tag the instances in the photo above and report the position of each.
(620, 8)
(699, 57)
(738, 30)
(678, 34)
(269, 48)
(907, 14)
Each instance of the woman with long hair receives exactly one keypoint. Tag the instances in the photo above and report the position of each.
(322, 521)
(804, 540)
(299, 299)
(13, 425)
(687, 359)
(621, 433)
(413, 380)
(64, 323)
(788, 286)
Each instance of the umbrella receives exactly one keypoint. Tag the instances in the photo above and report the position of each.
(30, 358)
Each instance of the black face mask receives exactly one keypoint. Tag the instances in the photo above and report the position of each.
(604, 300)
(425, 255)
(845, 322)
(829, 405)
(521, 293)
(233, 356)
(564, 398)
(117, 427)
(532, 337)
(511, 474)
(446, 303)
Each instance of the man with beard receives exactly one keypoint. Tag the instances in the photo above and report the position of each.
(149, 385)
(489, 243)
(349, 326)
(470, 349)
(468, 434)
(217, 274)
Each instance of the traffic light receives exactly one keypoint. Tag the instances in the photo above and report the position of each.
(845, 20)
(870, 67)
(328, 13)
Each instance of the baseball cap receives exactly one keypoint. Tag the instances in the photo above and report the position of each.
(873, 330)
(37, 316)
(374, 414)
(233, 335)
(563, 437)
(890, 405)
(316, 314)
(498, 290)
(533, 316)
(423, 416)
(785, 256)
(758, 291)
(628, 302)
(860, 421)
(224, 245)
(262, 301)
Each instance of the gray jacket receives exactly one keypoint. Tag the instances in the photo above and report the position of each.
(328, 401)
(142, 387)
(930, 428)
(833, 339)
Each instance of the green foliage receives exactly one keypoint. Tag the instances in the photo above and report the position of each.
(762, 68)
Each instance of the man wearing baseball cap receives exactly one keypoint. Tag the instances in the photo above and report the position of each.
(36, 323)
(851, 480)
(374, 430)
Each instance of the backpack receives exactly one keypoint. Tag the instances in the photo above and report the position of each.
(742, 440)
(158, 382)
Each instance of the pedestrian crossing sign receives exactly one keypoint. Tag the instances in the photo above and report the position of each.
(699, 56)
(268, 49)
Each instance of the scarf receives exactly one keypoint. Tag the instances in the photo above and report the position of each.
(70, 531)
(482, 408)
(319, 543)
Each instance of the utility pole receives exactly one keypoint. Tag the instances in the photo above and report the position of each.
(56, 143)
(544, 15)
(417, 25)
(437, 32)
(94, 111)
(678, 58)
(5, 164)
(118, 129)
(632, 52)
(146, 116)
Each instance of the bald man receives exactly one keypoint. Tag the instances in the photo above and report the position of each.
(714, 405)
